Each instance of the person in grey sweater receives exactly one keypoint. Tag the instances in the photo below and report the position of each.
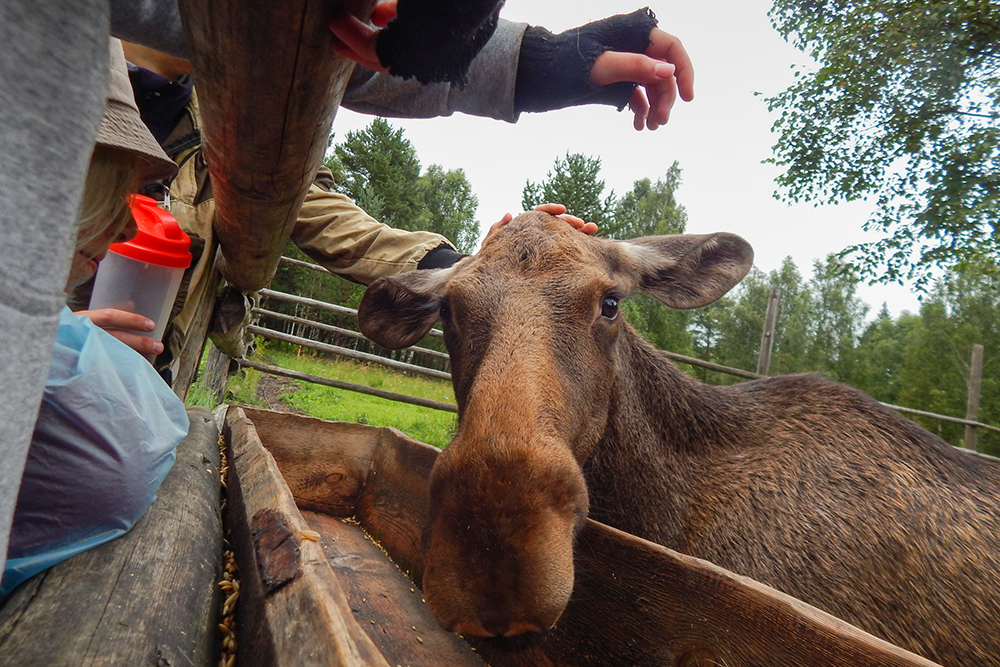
(53, 82)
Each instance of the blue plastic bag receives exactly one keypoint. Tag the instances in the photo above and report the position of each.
(104, 440)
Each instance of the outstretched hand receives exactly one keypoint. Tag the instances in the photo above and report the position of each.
(354, 39)
(557, 210)
(662, 73)
(123, 325)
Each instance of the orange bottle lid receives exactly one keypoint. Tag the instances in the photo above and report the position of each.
(160, 239)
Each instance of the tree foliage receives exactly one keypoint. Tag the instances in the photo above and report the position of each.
(902, 107)
(379, 169)
(574, 180)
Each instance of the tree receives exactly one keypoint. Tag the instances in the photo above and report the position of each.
(573, 181)
(837, 320)
(379, 171)
(902, 107)
(450, 207)
(880, 355)
(649, 208)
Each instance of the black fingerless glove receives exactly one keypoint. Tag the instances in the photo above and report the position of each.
(440, 257)
(552, 70)
(436, 40)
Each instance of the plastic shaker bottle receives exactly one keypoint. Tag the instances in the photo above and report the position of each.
(143, 275)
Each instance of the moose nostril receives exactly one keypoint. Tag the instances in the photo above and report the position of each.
(520, 629)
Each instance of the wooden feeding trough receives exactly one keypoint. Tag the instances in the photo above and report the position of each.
(327, 520)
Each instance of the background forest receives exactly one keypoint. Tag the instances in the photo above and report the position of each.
(918, 360)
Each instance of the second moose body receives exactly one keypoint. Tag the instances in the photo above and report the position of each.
(798, 482)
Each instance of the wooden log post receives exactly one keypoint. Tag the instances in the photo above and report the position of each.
(767, 338)
(971, 440)
(269, 85)
(149, 597)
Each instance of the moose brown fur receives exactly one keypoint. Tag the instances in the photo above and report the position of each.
(798, 482)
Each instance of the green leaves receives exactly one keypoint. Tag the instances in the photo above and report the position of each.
(378, 168)
(903, 107)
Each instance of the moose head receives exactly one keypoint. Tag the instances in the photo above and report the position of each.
(536, 342)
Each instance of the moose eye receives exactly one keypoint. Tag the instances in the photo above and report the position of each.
(444, 312)
(609, 307)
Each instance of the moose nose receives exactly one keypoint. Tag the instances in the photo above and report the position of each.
(500, 628)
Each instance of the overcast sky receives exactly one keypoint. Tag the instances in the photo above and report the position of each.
(720, 139)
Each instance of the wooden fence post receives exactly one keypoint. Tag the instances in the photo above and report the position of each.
(972, 402)
(216, 372)
(767, 338)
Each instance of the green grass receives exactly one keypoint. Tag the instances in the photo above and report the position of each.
(435, 427)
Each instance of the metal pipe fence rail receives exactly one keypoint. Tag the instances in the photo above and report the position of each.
(398, 365)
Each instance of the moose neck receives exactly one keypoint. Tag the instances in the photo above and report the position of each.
(660, 424)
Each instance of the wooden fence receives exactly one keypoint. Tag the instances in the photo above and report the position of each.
(969, 421)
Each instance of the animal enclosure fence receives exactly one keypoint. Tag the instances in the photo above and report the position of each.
(349, 343)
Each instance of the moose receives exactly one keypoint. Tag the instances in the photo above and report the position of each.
(565, 412)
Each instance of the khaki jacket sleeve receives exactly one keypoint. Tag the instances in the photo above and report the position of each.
(335, 233)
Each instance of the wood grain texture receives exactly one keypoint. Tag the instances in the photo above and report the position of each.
(385, 602)
(197, 333)
(148, 598)
(325, 464)
(300, 617)
(269, 84)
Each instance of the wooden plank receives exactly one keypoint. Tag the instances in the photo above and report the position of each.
(767, 337)
(385, 602)
(635, 602)
(325, 464)
(345, 352)
(269, 84)
(972, 399)
(394, 503)
(146, 598)
(197, 333)
(291, 610)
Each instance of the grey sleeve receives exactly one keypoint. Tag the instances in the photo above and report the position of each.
(489, 93)
(152, 23)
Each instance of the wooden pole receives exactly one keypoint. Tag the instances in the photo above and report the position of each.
(972, 401)
(269, 85)
(216, 372)
(767, 338)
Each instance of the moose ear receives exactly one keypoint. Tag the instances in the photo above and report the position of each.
(687, 270)
(398, 311)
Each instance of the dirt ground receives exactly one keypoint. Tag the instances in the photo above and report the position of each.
(270, 388)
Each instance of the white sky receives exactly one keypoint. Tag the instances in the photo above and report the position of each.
(719, 139)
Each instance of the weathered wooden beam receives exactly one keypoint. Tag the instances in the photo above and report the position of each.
(292, 610)
(149, 597)
(269, 84)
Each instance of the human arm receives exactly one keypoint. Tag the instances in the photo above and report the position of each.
(124, 326)
(526, 68)
(152, 23)
(333, 231)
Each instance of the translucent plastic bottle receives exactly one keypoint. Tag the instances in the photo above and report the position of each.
(143, 275)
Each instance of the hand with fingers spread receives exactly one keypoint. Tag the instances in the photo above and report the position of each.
(661, 73)
(557, 210)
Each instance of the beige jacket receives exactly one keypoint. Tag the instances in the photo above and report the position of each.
(331, 229)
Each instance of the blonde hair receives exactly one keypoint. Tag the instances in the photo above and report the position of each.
(112, 176)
